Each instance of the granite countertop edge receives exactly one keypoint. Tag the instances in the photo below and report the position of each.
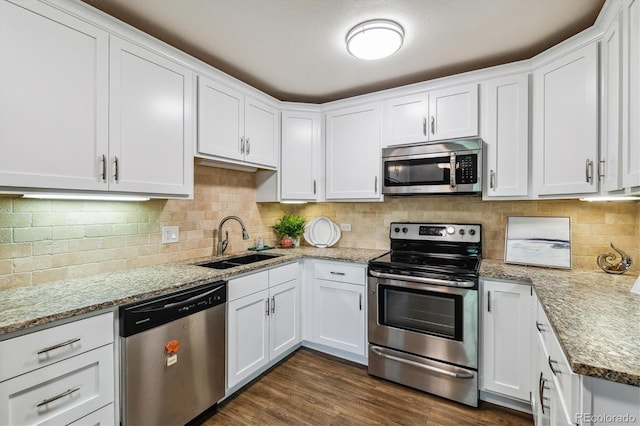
(566, 296)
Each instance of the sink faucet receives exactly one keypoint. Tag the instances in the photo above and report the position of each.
(222, 244)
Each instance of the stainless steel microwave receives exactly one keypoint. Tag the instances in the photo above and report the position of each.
(447, 167)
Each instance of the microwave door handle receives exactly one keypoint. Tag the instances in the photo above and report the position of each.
(452, 169)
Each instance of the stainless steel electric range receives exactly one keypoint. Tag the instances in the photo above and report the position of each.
(423, 309)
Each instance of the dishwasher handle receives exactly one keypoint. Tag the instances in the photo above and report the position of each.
(143, 315)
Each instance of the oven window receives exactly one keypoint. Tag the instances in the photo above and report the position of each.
(426, 312)
(424, 171)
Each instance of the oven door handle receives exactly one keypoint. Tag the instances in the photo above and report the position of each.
(422, 280)
(463, 375)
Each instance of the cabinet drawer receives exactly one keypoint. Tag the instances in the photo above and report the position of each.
(283, 274)
(60, 393)
(249, 284)
(103, 417)
(25, 353)
(342, 272)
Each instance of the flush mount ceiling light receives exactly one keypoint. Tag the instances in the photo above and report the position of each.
(375, 39)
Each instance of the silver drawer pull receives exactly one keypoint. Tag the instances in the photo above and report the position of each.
(58, 346)
(55, 398)
(337, 273)
(539, 327)
(553, 370)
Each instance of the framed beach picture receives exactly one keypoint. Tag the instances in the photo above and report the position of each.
(538, 241)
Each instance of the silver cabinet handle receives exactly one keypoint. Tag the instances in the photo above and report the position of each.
(267, 306)
(424, 126)
(553, 370)
(103, 162)
(492, 179)
(589, 170)
(273, 304)
(541, 388)
(375, 185)
(462, 375)
(58, 346)
(116, 172)
(488, 301)
(337, 273)
(601, 170)
(539, 327)
(248, 146)
(314, 187)
(452, 170)
(360, 301)
(242, 145)
(55, 398)
(433, 125)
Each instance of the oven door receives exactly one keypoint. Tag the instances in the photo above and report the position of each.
(432, 321)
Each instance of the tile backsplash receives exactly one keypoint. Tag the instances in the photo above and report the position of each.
(43, 240)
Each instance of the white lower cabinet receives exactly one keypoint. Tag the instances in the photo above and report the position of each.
(561, 397)
(339, 306)
(102, 417)
(78, 383)
(263, 320)
(506, 338)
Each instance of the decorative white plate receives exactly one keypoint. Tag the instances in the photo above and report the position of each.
(321, 232)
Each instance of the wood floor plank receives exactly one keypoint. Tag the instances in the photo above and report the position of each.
(311, 388)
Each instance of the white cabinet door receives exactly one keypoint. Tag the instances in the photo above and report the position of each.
(248, 336)
(453, 112)
(260, 133)
(150, 122)
(610, 164)
(301, 156)
(507, 137)
(543, 392)
(406, 120)
(220, 120)
(54, 81)
(631, 96)
(565, 130)
(506, 338)
(353, 153)
(284, 328)
(339, 315)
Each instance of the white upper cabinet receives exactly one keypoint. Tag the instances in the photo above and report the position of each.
(53, 108)
(565, 129)
(83, 110)
(610, 166)
(631, 96)
(235, 127)
(151, 131)
(453, 112)
(507, 137)
(353, 153)
(430, 116)
(301, 156)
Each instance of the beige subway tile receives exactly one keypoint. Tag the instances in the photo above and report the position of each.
(98, 230)
(21, 235)
(15, 280)
(34, 263)
(67, 232)
(48, 275)
(137, 217)
(6, 205)
(6, 266)
(15, 220)
(31, 205)
(137, 240)
(49, 219)
(85, 244)
(12, 251)
(6, 236)
(83, 270)
(50, 247)
(125, 229)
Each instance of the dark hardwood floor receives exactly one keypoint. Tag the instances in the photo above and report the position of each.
(311, 388)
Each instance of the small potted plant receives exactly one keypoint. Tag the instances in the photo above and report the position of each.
(289, 229)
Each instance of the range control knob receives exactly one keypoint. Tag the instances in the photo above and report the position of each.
(472, 232)
(451, 230)
(396, 229)
(461, 232)
(405, 230)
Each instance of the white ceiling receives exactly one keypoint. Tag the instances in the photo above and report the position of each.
(294, 49)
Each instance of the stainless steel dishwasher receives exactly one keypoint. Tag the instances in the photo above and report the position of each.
(173, 355)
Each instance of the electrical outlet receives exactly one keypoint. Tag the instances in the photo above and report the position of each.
(170, 234)
(345, 227)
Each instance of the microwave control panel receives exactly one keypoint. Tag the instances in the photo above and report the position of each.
(467, 169)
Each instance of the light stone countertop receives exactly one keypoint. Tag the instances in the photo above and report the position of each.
(594, 315)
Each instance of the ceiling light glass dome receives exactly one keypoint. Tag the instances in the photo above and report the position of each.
(375, 39)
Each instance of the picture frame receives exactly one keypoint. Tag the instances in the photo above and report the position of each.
(538, 241)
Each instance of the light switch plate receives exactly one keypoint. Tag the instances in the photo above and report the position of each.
(345, 227)
(170, 234)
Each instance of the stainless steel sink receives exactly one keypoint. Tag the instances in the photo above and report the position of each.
(239, 261)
